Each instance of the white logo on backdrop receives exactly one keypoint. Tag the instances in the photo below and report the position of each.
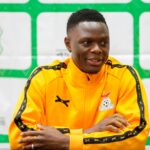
(63, 53)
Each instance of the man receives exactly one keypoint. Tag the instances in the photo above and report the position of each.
(88, 102)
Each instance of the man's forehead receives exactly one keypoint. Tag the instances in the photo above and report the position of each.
(91, 24)
(88, 25)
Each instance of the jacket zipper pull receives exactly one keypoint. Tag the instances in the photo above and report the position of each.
(88, 78)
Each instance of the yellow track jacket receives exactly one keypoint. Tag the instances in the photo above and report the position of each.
(62, 96)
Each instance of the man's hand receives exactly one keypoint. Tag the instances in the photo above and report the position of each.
(47, 138)
(114, 123)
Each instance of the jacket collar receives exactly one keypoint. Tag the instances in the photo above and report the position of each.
(76, 76)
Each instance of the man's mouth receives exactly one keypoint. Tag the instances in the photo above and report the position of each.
(94, 61)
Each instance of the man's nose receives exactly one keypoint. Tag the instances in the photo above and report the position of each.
(96, 49)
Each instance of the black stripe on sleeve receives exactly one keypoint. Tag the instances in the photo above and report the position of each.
(137, 129)
(18, 121)
(63, 130)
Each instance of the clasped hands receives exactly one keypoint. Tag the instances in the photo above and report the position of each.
(49, 138)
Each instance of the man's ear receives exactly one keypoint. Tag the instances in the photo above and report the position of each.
(67, 43)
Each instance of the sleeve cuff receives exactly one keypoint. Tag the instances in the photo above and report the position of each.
(76, 142)
(76, 131)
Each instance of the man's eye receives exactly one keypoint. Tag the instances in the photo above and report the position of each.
(103, 43)
(86, 43)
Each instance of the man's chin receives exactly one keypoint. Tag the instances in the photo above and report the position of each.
(92, 71)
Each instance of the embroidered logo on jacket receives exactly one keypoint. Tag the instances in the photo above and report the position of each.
(106, 103)
(65, 102)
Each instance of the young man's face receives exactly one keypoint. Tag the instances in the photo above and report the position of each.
(89, 44)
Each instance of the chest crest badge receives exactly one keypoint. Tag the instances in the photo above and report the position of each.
(106, 103)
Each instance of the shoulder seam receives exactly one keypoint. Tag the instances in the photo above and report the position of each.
(109, 62)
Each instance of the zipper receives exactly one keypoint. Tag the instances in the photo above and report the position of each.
(86, 87)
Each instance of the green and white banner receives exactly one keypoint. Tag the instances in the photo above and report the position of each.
(32, 33)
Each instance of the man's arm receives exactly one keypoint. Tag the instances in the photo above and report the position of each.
(49, 138)
(29, 109)
(132, 105)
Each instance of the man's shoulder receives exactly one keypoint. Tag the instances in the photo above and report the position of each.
(115, 63)
(50, 71)
(117, 69)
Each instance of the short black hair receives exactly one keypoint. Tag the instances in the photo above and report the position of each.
(84, 15)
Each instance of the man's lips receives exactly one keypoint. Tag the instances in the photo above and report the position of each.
(94, 61)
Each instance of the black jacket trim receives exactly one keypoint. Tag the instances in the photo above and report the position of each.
(64, 130)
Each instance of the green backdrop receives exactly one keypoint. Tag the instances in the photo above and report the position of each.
(34, 8)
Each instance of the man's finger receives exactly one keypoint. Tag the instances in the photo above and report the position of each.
(33, 146)
(117, 124)
(113, 129)
(31, 133)
(41, 127)
(118, 115)
(33, 139)
(121, 119)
